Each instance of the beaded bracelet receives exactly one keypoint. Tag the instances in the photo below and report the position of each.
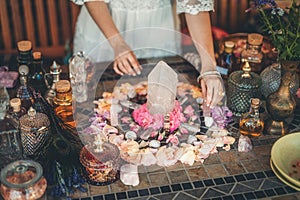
(208, 73)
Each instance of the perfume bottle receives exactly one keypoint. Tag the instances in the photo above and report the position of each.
(226, 60)
(55, 71)
(24, 92)
(242, 86)
(251, 123)
(62, 102)
(253, 53)
(36, 79)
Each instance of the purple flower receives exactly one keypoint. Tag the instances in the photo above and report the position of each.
(259, 3)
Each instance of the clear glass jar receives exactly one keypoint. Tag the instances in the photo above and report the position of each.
(23, 180)
(251, 123)
(101, 165)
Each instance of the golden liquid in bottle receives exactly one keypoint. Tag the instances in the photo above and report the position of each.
(63, 102)
(251, 127)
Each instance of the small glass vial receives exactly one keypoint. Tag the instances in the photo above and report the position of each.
(15, 111)
(253, 53)
(251, 123)
(226, 60)
(24, 92)
(23, 180)
(10, 148)
(62, 102)
(24, 56)
(36, 79)
(242, 86)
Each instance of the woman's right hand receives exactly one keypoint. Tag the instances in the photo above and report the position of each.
(125, 60)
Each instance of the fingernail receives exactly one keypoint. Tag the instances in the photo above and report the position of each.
(139, 72)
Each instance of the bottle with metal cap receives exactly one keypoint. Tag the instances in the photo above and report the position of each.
(22, 180)
(24, 92)
(242, 86)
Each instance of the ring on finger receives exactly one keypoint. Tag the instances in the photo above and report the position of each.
(222, 94)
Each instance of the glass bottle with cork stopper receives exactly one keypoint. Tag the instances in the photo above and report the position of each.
(10, 148)
(37, 80)
(226, 60)
(242, 86)
(251, 123)
(253, 53)
(62, 102)
(15, 111)
(24, 56)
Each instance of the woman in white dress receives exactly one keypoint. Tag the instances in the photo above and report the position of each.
(111, 17)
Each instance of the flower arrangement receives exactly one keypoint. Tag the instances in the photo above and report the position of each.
(283, 27)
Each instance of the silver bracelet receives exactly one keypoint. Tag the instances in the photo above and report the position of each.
(208, 73)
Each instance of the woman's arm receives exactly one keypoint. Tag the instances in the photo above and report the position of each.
(200, 29)
(125, 60)
(198, 21)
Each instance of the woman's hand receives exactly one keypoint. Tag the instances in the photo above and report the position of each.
(125, 61)
(213, 90)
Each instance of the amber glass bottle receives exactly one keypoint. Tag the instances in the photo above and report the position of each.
(62, 102)
(251, 123)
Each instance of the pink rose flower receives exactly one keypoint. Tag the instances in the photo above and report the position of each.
(173, 139)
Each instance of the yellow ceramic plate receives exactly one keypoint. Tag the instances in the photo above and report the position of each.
(282, 178)
(285, 154)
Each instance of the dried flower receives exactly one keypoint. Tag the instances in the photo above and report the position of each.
(283, 26)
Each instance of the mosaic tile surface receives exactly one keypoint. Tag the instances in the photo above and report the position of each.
(225, 175)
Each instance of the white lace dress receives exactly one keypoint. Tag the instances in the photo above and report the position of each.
(146, 25)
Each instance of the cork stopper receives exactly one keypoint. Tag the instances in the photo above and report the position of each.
(255, 39)
(62, 86)
(247, 69)
(229, 44)
(37, 55)
(15, 103)
(255, 102)
(24, 45)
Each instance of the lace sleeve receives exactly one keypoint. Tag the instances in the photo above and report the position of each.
(194, 6)
(81, 2)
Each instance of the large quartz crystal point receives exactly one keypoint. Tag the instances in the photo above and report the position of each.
(162, 86)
